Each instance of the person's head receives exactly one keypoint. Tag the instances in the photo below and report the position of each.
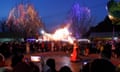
(34, 67)
(51, 63)
(16, 59)
(65, 69)
(22, 67)
(99, 65)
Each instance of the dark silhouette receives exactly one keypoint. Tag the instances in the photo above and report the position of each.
(51, 63)
(117, 50)
(22, 67)
(99, 65)
(65, 69)
(16, 59)
(107, 51)
(34, 67)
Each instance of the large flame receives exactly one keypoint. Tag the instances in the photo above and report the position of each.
(60, 35)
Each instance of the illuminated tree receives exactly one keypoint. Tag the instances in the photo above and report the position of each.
(25, 20)
(81, 20)
(113, 8)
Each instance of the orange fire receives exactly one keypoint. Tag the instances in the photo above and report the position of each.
(60, 35)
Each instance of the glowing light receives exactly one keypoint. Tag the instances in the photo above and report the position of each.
(83, 40)
(35, 58)
(111, 17)
(115, 38)
(60, 35)
(42, 31)
(71, 39)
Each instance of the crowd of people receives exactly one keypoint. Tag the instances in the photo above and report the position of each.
(17, 50)
(18, 64)
(11, 48)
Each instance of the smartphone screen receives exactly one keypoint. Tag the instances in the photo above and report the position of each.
(85, 63)
(35, 58)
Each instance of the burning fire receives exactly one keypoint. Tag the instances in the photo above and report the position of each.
(60, 35)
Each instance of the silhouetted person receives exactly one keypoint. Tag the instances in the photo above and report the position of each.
(99, 65)
(51, 64)
(16, 59)
(34, 68)
(22, 67)
(117, 50)
(65, 69)
(107, 51)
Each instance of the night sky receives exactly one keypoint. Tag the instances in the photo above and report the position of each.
(54, 12)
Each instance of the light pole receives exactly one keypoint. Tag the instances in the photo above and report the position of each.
(113, 28)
